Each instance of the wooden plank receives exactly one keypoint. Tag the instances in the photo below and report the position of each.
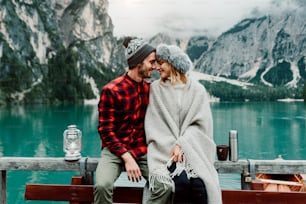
(262, 197)
(291, 183)
(277, 166)
(59, 164)
(232, 167)
(57, 192)
(84, 193)
(241, 166)
(38, 164)
(79, 193)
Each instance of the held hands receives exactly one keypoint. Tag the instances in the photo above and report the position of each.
(177, 154)
(131, 167)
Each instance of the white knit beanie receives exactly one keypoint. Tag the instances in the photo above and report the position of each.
(175, 56)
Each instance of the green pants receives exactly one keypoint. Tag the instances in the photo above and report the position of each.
(161, 194)
(108, 170)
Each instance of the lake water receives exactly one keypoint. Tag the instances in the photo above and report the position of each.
(265, 130)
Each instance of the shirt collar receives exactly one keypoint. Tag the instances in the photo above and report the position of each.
(132, 80)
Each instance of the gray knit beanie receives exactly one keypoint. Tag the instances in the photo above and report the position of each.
(175, 56)
(136, 50)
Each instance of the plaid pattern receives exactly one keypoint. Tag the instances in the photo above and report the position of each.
(122, 107)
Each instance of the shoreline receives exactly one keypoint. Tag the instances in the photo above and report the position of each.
(290, 100)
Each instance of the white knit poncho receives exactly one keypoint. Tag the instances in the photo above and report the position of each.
(188, 124)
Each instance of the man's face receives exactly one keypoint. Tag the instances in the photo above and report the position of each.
(148, 65)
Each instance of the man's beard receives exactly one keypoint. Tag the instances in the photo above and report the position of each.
(144, 73)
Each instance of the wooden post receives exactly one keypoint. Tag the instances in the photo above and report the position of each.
(76, 180)
(3, 187)
(246, 181)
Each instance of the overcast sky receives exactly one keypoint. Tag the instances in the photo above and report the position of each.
(145, 18)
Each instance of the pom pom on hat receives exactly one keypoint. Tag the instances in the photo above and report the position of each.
(136, 50)
(175, 56)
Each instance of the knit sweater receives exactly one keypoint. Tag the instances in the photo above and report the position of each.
(189, 125)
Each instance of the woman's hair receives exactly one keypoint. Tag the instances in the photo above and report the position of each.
(175, 75)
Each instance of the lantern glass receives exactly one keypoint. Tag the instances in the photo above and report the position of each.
(72, 143)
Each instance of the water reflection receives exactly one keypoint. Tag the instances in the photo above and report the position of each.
(265, 129)
(44, 125)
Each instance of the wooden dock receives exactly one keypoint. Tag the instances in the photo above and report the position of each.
(87, 166)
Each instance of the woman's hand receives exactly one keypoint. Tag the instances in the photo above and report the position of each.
(176, 153)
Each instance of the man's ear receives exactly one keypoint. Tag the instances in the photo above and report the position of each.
(139, 65)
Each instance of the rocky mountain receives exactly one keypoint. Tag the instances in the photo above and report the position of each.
(56, 44)
(64, 50)
(268, 50)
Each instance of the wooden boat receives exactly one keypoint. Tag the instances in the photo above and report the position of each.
(279, 182)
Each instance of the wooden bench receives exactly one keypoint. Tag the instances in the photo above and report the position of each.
(77, 193)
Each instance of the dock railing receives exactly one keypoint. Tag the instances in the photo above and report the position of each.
(247, 168)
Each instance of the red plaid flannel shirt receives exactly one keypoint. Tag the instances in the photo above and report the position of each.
(122, 107)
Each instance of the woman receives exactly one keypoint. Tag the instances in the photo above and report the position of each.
(179, 134)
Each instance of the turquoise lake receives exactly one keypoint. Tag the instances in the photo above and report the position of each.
(265, 130)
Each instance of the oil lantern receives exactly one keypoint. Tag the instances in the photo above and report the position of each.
(72, 143)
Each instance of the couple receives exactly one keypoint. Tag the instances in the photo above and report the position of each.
(168, 140)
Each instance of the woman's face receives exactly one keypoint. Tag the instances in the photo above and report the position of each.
(164, 69)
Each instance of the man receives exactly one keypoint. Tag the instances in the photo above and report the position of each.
(122, 107)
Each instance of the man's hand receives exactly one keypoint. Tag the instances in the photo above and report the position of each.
(131, 167)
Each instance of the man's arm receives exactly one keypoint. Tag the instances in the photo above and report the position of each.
(106, 125)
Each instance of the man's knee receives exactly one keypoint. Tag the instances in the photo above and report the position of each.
(104, 186)
(103, 193)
